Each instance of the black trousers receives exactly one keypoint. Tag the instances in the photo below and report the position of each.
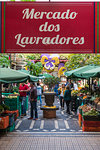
(34, 109)
(61, 101)
(67, 105)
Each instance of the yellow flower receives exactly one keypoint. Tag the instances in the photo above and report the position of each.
(26, 68)
(56, 59)
(43, 59)
(62, 70)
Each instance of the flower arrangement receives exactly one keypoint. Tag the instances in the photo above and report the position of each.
(61, 70)
(49, 62)
(44, 59)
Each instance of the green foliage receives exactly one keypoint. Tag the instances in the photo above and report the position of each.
(50, 82)
(33, 56)
(4, 60)
(80, 60)
(34, 68)
(16, 89)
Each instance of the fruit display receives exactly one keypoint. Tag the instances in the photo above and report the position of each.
(85, 97)
(97, 100)
(85, 108)
(91, 112)
(74, 92)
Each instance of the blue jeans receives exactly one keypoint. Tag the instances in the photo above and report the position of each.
(34, 109)
(40, 99)
(23, 105)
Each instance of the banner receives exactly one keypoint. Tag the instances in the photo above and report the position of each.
(52, 27)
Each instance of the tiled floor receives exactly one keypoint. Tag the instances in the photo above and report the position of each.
(49, 142)
(63, 122)
(62, 133)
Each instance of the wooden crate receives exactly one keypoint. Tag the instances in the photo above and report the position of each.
(91, 123)
(90, 129)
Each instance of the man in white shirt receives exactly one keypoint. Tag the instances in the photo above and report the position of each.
(39, 93)
(75, 86)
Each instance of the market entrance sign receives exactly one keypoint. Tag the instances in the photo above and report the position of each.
(34, 27)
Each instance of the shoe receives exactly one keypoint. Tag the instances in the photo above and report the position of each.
(30, 118)
(62, 108)
(21, 116)
(24, 114)
(35, 119)
(68, 112)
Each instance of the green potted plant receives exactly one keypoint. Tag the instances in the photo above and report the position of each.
(50, 94)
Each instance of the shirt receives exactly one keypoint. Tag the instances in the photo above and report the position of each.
(62, 94)
(39, 90)
(21, 87)
(67, 95)
(75, 86)
(33, 94)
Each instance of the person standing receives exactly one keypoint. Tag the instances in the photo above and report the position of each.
(61, 92)
(23, 89)
(67, 82)
(67, 98)
(39, 93)
(75, 86)
(33, 101)
(71, 84)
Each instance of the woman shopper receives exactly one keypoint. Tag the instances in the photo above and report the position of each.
(61, 91)
(67, 98)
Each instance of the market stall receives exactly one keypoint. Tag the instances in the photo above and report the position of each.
(10, 105)
(76, 73)
(89, 116)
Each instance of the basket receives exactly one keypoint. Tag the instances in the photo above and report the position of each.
(4, 122)
(13, 103)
